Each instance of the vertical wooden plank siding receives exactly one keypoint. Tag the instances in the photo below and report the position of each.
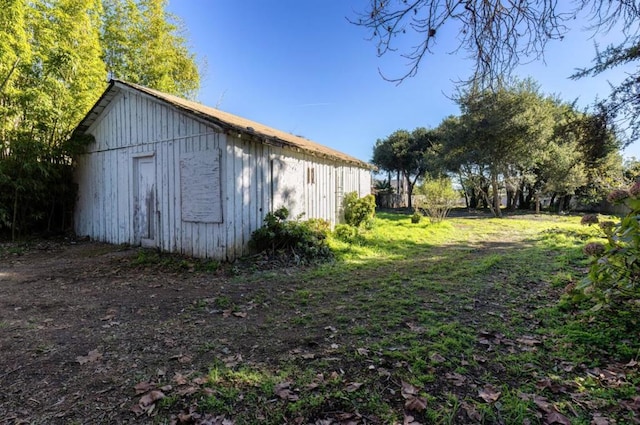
(254, 179)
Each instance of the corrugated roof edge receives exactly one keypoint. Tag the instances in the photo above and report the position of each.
(227, 121)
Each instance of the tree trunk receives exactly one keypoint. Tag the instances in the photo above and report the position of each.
(484, 200)
(530, 196)
(15, 215)
(464, 190)
(563, 203)
(496, 196)
(6, 80)
(560, 204)
(409, 192)
(484, 197)
(537, 203)
(473, 202)
(510, 196)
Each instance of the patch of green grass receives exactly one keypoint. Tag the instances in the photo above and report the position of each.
(223, 302)
(14, 248)
(173, 262)
(416, 303)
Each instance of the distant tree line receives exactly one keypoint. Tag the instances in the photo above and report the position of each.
(500, 35)
(55, 59)
(512, 140)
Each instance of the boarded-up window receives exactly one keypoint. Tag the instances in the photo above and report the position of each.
(200, 187)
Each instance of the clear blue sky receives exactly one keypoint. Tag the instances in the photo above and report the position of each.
(301, 67)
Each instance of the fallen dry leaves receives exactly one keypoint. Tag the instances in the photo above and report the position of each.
(471, 411)
(194, 418)
(493, 339)
(92, 356)
(556, 418)
(547, 410)
(147, 402)
(353, 386)
(489, 393)
(152, 393)
(410, 420)
(285, 392)
(230, 312)
(413, 401)
(456, 379)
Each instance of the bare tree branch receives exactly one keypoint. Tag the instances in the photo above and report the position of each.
(497, 34)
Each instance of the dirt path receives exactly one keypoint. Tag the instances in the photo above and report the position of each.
(79, 327)
(81, 324)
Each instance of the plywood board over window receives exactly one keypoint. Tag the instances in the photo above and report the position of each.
(200, 187)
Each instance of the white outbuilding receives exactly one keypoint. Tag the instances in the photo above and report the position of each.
(161, 171)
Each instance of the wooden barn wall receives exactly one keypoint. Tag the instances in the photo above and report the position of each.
(136, 126)
(254, 179)
(314, 186)
(304, 184)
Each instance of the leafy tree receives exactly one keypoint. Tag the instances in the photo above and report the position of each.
(499, 132)
(560, 169)
(143, 44)
(58, 76)
(632, 170)
(53, 66)
(532, 145)
(406, 153)
(459, 161)
(598, 147)
(14, 47)
(561, 172)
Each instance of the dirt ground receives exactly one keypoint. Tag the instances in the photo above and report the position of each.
(80, 327)
(83, 323)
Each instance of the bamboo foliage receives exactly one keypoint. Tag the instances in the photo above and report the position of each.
(55, 57)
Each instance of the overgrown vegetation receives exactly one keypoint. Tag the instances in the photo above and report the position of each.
(173, 262)
(452, 322)
(358, 211)
(438, 198)
(306, 240)
(613, 281)
(56, 57)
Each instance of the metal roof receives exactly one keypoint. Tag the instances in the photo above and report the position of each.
(228, 122)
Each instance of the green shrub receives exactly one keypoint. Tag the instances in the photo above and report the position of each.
(359, 211)
(305, 240)
(345, 232)
(438, 197)
(614, 271)
(416, 217)
(319, 225)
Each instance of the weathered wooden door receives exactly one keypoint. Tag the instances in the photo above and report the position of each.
(144, 213)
